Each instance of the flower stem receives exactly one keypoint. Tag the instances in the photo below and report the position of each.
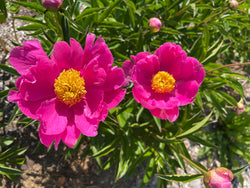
(229, 65)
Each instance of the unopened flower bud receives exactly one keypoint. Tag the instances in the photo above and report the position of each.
(240, 108)
(219, 178)
(155, 24)
(233, 4)
(52, 5)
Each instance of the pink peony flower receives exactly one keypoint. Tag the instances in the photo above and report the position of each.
(155, 24)
(165, 80)
(52, 5)
(71, 92)
(219, 178)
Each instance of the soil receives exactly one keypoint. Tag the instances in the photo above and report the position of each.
(49, 168)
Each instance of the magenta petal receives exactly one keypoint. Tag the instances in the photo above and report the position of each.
(27, 107)
(145, 69)
(62, 55)
(186, 91)
(87, 127)
(47, 140)
(53, 117)
(113, 98)
(170, 57)
(76, 55)
(128, 68)
(93, 75)
(94, 107)
(114, 80)
(23, 58)
(170, 114)
(71, 135)
(98, 50)
(139, 56)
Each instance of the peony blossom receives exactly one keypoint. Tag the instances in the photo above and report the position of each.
(233, 4)
(165, 80)
(52, 5)
(219, 178)
(155, 24)
(69, 93)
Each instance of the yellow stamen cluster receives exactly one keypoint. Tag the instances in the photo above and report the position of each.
(163, 82)
(70, 87)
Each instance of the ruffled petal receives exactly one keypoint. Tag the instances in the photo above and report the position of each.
(114, 79)
(145, 69)
(70, 135)
(113, 98)
(94, 107)
(94, 76)
(170, 56)
(87, 127)
(47, 140)
(186, 91)
(54, 116)
(170, 114)
(23, 58)
(139, 56)
(98, 50)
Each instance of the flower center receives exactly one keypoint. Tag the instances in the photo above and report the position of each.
(69, 87)
(163, 82)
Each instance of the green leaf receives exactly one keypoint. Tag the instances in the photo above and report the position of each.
(180, 178)
(9, 70)
(106, 150)
(32, 6)
(29, 19)
(240, 170)
(196, 126)
(157, 122)
(9, 171)
(88, 12)
(31, 27)
(108, 11)
(6, 141)
(3, 12)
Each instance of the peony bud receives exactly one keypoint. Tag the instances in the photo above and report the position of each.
(233, 4)
(52, 5)
(240, 109)
(154, 24)
(219, 178)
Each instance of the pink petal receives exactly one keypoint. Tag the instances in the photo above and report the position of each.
(70, 135)
(113, 98)
(145, 69)
(140, 56)
(93, 75)
(186, 91)
(23, 58)
(128, 68)
(28, 108)
(39, 82)
(170, 57)
(114, 79)
(47, 140)
(54, 116)
(94, 107)
(170, 114)
(98, 50)
(87, 127)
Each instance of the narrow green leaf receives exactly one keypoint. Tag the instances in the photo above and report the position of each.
(106, 150)
(32, 6)
(9, 70)
(180, 178)
(158, 122)
(196, 127)
(31, 27)
(88, 12)
(9, 171)
(240, 170)
(108, 11)
(29, 19)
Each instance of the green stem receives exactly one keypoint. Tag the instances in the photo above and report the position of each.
(3, 45)
(229, 65)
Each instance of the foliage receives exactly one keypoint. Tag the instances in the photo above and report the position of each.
(130, 136)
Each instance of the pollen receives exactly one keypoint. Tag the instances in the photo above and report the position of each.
(163, 82)
(70, 87)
